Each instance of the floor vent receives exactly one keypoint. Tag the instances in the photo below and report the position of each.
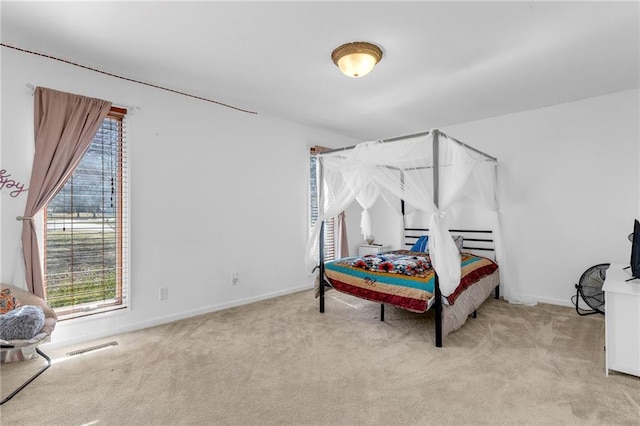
(92, 348)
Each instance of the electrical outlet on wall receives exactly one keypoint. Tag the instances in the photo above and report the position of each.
(234, 279)
(164, 293)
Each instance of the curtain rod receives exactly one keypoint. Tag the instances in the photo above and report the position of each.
(416, 135)
(156, 86)
(130, 108)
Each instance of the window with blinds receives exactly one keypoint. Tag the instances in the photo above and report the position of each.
(86, 232)
(329, 224)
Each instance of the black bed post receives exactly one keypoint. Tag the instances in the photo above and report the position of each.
(321, 267)
(321, 237)
(403, 226)
(402, 199)
(436, 201)
(438, 308)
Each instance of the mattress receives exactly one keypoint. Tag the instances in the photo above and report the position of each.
(401, 278)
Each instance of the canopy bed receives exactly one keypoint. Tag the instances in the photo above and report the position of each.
(427, 172)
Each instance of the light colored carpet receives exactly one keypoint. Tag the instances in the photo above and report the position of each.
(281, 362)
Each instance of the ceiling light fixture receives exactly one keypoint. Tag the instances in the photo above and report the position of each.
(356, 59)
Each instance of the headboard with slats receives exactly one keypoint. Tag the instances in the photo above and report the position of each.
(475, 241)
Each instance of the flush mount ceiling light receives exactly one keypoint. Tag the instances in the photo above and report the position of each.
(356, 59)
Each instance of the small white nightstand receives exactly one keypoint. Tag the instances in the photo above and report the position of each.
(365, 249)
(622, 321)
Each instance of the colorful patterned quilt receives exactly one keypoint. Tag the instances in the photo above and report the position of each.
(401, 278)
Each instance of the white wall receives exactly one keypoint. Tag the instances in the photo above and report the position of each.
(213, 191)
(569, 176)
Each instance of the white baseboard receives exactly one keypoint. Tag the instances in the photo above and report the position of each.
(57, 343)
(549, 300)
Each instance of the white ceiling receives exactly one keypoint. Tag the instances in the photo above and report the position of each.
(444, 62)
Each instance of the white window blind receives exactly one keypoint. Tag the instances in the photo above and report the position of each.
(329, 224)
(86, 229)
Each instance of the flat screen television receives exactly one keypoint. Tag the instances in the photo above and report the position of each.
(635, 251)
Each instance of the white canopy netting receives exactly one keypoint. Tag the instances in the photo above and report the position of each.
(406, 169)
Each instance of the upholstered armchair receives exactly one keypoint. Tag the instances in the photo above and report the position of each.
(13, 350)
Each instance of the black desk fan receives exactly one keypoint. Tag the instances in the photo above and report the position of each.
(589, 288)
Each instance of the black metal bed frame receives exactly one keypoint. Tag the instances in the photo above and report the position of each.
(471, 243)
(484, 244)
(477, 244)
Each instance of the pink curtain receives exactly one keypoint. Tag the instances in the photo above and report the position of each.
(65, 125)
(342, 249)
